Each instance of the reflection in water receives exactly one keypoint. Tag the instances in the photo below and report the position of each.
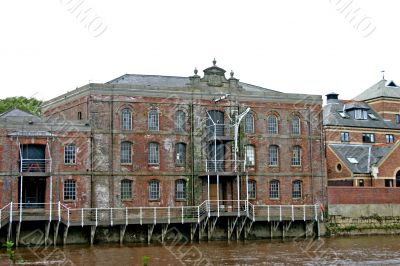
(373, 250)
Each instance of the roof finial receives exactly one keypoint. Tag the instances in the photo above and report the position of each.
(383, 74)
(214, 62)
(195, 71)
(232, 73)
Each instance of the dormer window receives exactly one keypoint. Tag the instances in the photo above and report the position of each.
(372, 116)
(360, 114)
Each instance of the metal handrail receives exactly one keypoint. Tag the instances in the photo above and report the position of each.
(35, 165)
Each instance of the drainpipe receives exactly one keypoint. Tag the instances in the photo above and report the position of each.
(192, 149)
(310, 154)
(111, 184)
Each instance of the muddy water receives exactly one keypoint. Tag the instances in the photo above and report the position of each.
(372, 250)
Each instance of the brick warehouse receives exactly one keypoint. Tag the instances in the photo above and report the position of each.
(164, 141)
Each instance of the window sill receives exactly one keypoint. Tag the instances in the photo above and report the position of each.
(126, 164)
(180, 200)
(69, 164)
(275, 199)
(154, 200)
(273, 166)
(296, 166)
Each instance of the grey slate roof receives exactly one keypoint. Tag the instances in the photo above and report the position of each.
(332, 116)
(16, 113)
(362, 153)
(383, 88)
(174, 81)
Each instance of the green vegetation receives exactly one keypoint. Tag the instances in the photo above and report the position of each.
(30, 105)
(10, 252)
(145, 260)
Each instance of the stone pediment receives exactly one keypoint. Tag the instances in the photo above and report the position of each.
(214, 75)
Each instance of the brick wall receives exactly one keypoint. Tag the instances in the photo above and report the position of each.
(363, 195)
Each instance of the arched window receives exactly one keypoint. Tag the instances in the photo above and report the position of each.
(154, 189)
(180, 121)
(296, 129)
(249, 123)
(153, 120)
(154, 153)
(273, 155)
(126, 152)
(252, 188)
(274, 189)
(180, 154)
(69, 190)
(250, 155)
(126, 189)
(180, 189)
(296, 156)
(296, 189)
(272, 126)
(126, 119)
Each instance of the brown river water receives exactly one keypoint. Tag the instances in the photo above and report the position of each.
(365, 250)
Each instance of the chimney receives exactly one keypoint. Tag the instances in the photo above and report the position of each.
(332, 98)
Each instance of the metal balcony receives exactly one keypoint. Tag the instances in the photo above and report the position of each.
(35, 165)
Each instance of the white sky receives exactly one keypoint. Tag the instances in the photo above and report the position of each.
(291, 46)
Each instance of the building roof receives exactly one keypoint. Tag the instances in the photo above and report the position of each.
(16, 113)
(383, 88)
(334, 116)
(360, 157)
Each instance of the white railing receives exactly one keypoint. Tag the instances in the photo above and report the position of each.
(35, 165)
(288, 212)
(225, 166)
(156, 215)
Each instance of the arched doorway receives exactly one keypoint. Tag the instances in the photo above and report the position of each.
(398, 179)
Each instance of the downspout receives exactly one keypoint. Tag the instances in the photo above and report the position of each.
(112, 149)
(192, 149)
(310, 155)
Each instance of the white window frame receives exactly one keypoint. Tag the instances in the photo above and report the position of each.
(250, 151)
(180, 121)
(153, 120)
(126, 152)
(180, 154)
(154, 190)
(126, 119)
(154, 153)
(297, 187)
(70, 154)
(273, 155)
(296, 125)
(69, 190)
(272, 124)
(126, 189)
(274, 189)
(252, 188)
(296, 156)
(249, 123)
(180, 189)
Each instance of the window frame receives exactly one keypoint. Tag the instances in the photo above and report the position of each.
(69, 190)
(272, 125)
(69, 155)
(153, 123)
(296, 155)
(125, 158)
(126, 119)
(180, 195)
(180, 121)
(180, 149)
(297, 193)
(389, 138)
(370, 136)
(296, 125)
(126, 189)
(345, 136)
(154, 153)
(154, 190)
(252, 189)
(360, 114)
(252, 149)
(274, 148)
(249, 123)
(274, 189)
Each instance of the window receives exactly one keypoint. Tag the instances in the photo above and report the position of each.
(398, 119)
(344, 136)
(69, 189)
(296, 189)
(389, 138)
(272, 127)
(154, 157)
(180, 189)
(79, 115)
(180, 120)
(388, 182)
(352, 160)
(126, 121)
(274, 189)
(153, 120)
(368, 137)
(126, 152)
(154, 190)
(250, 155)
(273, 155)
(180, 154)
(296, 125)
(252, 187)
(126, 189)
(249, 123)
(70, 154)
(296, 156)
(360, 114)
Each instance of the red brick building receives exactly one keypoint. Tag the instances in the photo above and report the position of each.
(148, 140)
(361, 137)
